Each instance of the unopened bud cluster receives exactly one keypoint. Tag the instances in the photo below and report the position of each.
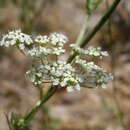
(47, 68)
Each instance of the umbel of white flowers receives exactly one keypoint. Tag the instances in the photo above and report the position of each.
(47, 68)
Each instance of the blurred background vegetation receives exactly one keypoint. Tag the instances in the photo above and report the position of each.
(104, 109)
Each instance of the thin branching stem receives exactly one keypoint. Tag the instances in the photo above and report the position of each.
(97, 27)
(83, 30)
(43, 99)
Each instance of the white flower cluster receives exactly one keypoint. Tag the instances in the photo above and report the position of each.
(58, 39)
(39, 52)
(48, 45)
(94, 52)
(76, 48)
(47, 67)
(63, 74)
(58, 73)
(16, 38)
(42, 39)
(35, 75)
(94, 73)
(39, 74)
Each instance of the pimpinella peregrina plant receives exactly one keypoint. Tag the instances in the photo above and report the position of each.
(47, 67)
(45, 51)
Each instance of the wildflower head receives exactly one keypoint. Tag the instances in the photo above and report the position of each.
(16, 38)
(58, 39)
(45, 52)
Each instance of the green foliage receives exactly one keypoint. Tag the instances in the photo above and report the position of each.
(15, 122)
(91, 5)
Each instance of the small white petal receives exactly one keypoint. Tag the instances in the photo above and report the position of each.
(70, 89)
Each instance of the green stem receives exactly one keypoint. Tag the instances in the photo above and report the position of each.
(83, 30)
(97, 27)
(44, 98)
(40, 92)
